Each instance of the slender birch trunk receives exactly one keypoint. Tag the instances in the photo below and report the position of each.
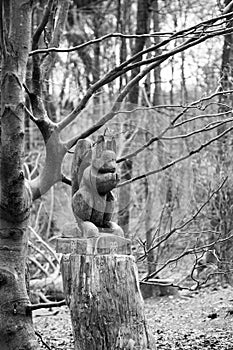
(16, 331)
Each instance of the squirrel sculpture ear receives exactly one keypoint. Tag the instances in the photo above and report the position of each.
(99, 146)
(113, 145)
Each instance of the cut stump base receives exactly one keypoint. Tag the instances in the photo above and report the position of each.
(102, 290)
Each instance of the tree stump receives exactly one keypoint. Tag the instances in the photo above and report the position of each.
(102, 291)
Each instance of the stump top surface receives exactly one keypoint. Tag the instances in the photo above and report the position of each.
(106, 243)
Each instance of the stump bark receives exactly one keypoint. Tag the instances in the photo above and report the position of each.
(102, 291)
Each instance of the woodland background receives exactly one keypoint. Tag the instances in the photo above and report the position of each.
(157, 75)
(179, 217)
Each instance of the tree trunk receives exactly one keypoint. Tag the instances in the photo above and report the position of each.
(222, 219)
(127, 166)
(102, 290)
(150, 189)
(16, 331)
(150, 209)
(125, 194)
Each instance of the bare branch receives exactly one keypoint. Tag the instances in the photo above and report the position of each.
(205, 128)
(116, 72)
(35, 169)
(44, 243)
(121, 69)
(55, 148)
(182, 47)
(98, 40)
(36, 225)
(187, 222)
(50, 131)
(42, 341)
(39, 115)
(46, 305)
(202, 116)
(195, 104)
(228, 8)
(30, 244)
(42, 24)
(201, 100)
(35, 262)
(195, 250)
(177, 160)
(173, 36)
(50, 218)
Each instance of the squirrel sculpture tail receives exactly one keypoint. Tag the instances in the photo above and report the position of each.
(81, 160)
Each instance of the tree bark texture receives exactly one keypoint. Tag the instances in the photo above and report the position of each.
(16, 331)
(102, 290)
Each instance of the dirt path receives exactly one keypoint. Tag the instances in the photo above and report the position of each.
(194, 321)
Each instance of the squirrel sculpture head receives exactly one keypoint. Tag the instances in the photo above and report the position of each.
(104, 155)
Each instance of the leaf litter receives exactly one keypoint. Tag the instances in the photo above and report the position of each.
(187, 321)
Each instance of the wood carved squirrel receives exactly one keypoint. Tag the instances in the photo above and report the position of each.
(94, 175)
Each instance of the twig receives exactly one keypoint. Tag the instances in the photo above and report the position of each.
(40, 283)
(46, 305)
(194, 216)
(44, 243)
(42, 253)
(172, 124)
(35, 262)
(36, 226)
(62, 11)
(122, 69)
(202, 116)
(228, 8)
(42, 341)
(173, 35)
(177, 160)
(205, 128)
(157, 60)
(43, 297)
(195, 251)
(36, 167)
(187, 222)
(42, 24)
(95, 41)
(50, 213)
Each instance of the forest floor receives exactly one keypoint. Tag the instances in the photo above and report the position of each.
(189, 320)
